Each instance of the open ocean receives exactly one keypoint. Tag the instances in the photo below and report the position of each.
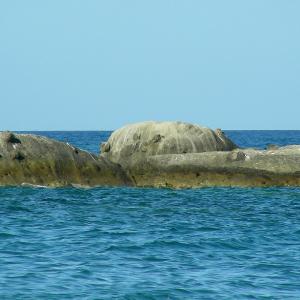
(134, 243)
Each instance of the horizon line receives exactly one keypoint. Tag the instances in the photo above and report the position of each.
(99, 130)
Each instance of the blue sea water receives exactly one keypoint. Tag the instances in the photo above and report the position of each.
(133, 243)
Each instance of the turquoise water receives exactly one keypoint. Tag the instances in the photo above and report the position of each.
(130, 243)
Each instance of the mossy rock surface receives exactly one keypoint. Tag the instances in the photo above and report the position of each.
(32, 159)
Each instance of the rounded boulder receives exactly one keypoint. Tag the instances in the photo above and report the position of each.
(156, 138)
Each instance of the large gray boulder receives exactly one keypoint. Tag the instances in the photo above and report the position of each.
(145, 139)
(36, 160)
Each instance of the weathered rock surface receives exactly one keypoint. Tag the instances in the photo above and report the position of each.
(145, 139)
(167, 154)
(37, 160)
(278, 167)
(175, 154)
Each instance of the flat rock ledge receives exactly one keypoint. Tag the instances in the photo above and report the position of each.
(27, 159)
(237, 168)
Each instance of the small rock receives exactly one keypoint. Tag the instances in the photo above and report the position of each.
(157, 138)
(105, 147)
(9, 137)
(19, 156)
(219, 131)
(272, 147)
(237, 156)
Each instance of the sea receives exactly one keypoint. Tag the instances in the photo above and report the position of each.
(147, 243)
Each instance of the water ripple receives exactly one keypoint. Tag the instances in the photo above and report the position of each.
(117, 243)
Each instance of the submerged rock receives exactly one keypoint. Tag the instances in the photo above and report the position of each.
(36, 160)
(145, 139)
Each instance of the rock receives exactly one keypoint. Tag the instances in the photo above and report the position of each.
(105, 147)
(145, 139)
(10, 138)
(246, 168)
(166, 154)
(36, 160)
(236, 156)
(272, 147)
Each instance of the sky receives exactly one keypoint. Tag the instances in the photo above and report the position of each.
(98, 65)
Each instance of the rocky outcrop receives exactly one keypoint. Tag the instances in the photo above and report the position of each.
(30, 159)
(279, 167)
(142, 140)
(175, 154)
(166, 154)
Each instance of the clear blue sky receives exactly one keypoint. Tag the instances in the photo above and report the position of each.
(93, 64)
